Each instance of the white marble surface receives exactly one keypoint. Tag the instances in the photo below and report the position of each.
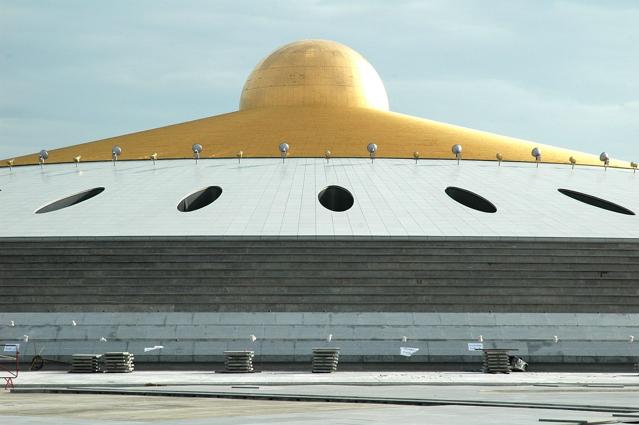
(263, 197)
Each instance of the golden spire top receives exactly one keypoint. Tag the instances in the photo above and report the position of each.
(314, 72)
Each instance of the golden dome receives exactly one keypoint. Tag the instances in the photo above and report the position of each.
(314, 72)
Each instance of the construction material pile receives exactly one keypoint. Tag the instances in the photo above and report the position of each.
(238, 361)
(86, 363)
(325, 360)
(496, 361)
(118, 362)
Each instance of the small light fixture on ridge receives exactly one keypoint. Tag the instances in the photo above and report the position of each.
(573, 161)
(603, 157)
(416, 156)
(43, 156)
(10, 164)
(115, 153)
(499, 157)
(536, 153)
(372, 151)
(197, 149)
(154, 157)
(283, 148)
(77, 159)
(457, 150)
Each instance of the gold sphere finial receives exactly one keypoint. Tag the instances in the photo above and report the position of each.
(314, 72)
(327, 155)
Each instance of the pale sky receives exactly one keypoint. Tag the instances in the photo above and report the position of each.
(564, 73)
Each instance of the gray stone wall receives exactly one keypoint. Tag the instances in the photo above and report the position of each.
(367, 337)
(309, 275)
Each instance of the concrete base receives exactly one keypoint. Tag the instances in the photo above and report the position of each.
(363, 337)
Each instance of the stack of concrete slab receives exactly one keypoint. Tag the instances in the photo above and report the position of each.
(496, 361)
(325, 360)
(118, 362)
(238, 361)
(86, 363)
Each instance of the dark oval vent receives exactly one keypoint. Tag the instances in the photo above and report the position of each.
(470, 199)
(69, 201)
(335, 198)
(596, 202)
(200, 199)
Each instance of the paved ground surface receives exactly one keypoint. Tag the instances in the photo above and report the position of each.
(569, 390)
(54, 409)
(207, 377)
(566, 395)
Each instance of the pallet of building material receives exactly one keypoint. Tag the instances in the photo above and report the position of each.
(118, 362)
(85, 363)
(496, 361)
(238, 361)
(325, 360)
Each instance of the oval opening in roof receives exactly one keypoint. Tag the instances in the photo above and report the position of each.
(336, 198)
(596, 202)
(69, 201)
(200, 199)
(470, 199)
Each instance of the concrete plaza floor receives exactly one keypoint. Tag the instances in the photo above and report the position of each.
(203, 397)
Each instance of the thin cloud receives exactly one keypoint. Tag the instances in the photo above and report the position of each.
(556, 72)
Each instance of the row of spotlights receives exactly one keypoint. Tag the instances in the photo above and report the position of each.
(197, 148)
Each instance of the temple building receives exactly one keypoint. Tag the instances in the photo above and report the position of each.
(315, 210)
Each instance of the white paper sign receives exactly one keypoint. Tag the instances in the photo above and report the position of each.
(155, 347)
(407, 351)
(11, 348)
(475, 346)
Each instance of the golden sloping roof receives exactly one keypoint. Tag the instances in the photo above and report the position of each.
(316, 95)
(310, 131)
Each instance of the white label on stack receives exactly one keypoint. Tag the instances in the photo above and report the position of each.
(407, 351)
(475, 346)
(11, 348)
